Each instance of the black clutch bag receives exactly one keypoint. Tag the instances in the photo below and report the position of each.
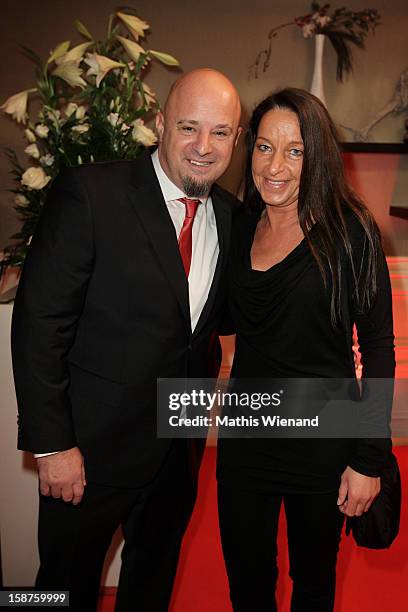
(378, 527)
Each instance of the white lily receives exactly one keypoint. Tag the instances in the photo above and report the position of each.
(143, 134)
(100, 65)
(17, 105)
(135, 25)
(83, 29)
(74, 55)
(58, 51)
(132, 48)
(165, 58)
(149, 95)
(70, 73)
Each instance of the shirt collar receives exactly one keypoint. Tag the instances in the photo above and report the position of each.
(170, 191)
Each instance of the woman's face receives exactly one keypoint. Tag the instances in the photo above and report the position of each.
(277, 158)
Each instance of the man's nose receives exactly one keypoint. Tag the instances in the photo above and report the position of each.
(202, 143)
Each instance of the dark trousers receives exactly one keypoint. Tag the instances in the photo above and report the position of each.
(249, 525)
(73, 541)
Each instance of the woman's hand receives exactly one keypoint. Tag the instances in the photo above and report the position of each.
(357, 492)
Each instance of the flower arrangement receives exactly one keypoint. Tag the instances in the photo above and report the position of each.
(93, 106)
(343, 28)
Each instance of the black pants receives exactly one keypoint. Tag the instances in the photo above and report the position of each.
(73, 541)
(249, 524)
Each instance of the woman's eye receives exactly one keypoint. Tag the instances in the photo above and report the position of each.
(296, 152)
(264, 148)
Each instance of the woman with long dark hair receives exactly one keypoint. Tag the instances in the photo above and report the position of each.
(306, 264)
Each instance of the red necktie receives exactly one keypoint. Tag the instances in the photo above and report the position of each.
(186, 235)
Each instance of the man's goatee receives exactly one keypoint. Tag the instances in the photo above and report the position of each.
(195, 189)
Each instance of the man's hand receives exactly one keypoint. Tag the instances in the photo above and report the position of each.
(357, 492)
(63, 475)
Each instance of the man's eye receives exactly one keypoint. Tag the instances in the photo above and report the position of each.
(188, 129)
(221, 134)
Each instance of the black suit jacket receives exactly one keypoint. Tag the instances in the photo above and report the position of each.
(102, 311)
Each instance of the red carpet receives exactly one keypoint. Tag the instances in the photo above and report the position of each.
(368, 581)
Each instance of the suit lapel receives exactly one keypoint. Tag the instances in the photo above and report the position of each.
(222, 211)
(149, 205)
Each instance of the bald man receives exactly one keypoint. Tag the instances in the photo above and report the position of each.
(111, 298)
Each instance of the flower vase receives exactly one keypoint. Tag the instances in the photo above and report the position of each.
(316, 87)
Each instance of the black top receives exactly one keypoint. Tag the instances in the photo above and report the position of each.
(283, 325)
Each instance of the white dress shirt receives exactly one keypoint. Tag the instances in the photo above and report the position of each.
(205, 240)
(205, 244)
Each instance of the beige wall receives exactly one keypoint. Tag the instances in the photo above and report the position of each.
(225, 34)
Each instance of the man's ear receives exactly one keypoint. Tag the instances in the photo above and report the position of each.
(160, 124)
(239, 132)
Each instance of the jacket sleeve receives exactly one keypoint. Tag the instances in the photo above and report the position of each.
(49, 301)
(376, 340)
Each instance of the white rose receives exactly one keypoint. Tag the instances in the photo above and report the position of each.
(114, 119)
(33, 151)
(81, 129)
(35, 178)
(30, 135)
(42, 130)
(21, 200)
(47, 160)
(143, 134)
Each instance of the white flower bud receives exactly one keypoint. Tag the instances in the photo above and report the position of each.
(33, 151)
(29, 134)
(42, 130)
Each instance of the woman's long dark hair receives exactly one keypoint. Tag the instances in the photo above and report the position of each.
(324, 196)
